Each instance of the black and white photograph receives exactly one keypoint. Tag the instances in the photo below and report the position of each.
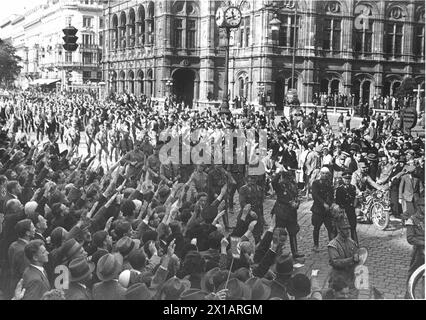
(210, 150)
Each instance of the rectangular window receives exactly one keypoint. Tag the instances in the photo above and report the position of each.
(87, 75)
(332, 33)
(190, 37)
(87, 22)
(336, 35)
(68, 57)
(327, 34)
(393, 39)
(101, 23)
(419, 41)
(247, 31)
(99, 75)
(178, 33)
(286, 36)
(87, 58)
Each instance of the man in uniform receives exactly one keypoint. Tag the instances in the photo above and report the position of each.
(343, 256)
(90, 132)
(285, 208)
(216, 179)
(345, 198)
(251, 193)
(238, 173)
(323, 194)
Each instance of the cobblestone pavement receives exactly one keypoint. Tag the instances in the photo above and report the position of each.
(388, 259)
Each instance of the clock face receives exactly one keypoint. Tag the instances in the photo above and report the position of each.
(233, 16)
(220, 17)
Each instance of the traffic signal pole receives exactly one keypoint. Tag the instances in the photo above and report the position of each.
(70, 45)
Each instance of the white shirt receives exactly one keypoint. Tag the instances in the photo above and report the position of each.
(39, 268)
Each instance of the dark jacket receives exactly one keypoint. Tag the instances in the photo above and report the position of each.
(321, 193)
(108, 290)
(77, 292)
(35, 284)
(17, 262)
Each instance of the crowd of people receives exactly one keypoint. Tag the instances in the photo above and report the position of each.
(83, 191)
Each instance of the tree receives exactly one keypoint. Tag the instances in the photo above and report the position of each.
(9, 62)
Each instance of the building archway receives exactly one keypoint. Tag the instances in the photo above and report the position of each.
(334, 86)
(131, 83)
(324, 86)
(121, 82)
(184, 85)
(365, 91)
(279, 93)
(356, 85)
(113, 81)
(395, 86)
(139, 83)
(150, 83)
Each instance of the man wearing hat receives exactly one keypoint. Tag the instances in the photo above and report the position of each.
(107, 270)
(323, 195)
(343, 254)
(345, 198)
(312, 162)
(283, 271)
(285, 208)
(80, 275)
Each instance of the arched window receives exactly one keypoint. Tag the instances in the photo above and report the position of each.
(419, 33)
(140, 37)
(363, 29)
(131, 84)
(332, 26)
(139, 81)
(185, 24)
(289, 22)
(114, 31)
(394, 30)
(122, 29)
(150, 23)
(150, 80)
(131, 28)
(244, 34)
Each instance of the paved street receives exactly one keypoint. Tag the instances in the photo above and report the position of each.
(388, 252)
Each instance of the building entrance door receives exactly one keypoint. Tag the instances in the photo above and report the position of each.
(183, 85)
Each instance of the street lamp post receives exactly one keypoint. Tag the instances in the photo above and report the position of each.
(227, 17)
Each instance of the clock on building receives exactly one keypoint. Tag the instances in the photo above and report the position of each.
(220, 17)
(233, 17)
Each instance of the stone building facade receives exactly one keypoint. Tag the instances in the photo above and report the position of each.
(346, 46)
(37, 35)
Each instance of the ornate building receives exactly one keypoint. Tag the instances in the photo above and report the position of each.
(350, 47)
(37, 35)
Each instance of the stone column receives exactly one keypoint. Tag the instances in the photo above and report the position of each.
(408, 36)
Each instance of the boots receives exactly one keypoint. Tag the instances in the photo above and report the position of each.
(293, 246)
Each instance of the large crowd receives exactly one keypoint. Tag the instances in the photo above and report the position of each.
(89, 211)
